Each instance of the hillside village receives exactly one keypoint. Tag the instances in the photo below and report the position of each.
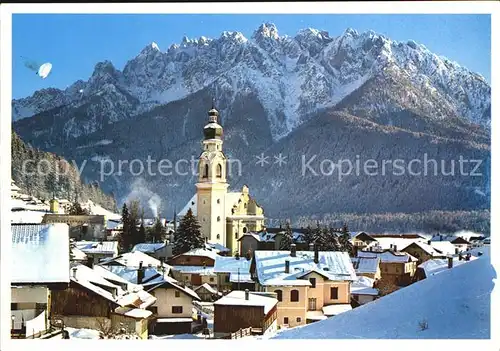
(215, 272)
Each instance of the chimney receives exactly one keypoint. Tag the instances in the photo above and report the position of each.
(467, 257)
(73, 272)
(114, 294)
(247, 294)
(456, 250)
(140, 273)
(479, 253)
(237, 256)
(450, 262)
(293, 250)
(390, 246)
(428, 242)
(311, 247)
(287, 266)
(316, 255)
(395, 248)
(460, 257)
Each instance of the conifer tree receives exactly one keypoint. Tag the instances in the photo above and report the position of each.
(188, 235)
(158, 232)
(309, 236)
(124, 241)
(76, 209)
(345, 242)
(287, 239)
(134, 218)
(141, 238)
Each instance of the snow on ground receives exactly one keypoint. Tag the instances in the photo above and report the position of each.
(82, 333)
(452, 305)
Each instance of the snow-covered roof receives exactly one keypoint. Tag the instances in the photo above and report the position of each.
(270, 266)
(363, 281)
(446, 247)
(315, 315)
(78, 255)
(98, 247)
(207, 287)
(192, 204)
(148, 247)
(161, 280)
(95, 281)
(207, 252)
(265, 236)
(27, 216)
(114, 224)
(365, 264)
(195, 270)
(40, 253)
(130, 273)
(241, 278)
(231, 265)
(454, 304)
(133, 312)
(132, 259)
(174, 320)
(231, 200)
(435, 266)
(400, 243)
(218, 248)
(388, 256)
(426, 248)
(237, 298)
(334, 310)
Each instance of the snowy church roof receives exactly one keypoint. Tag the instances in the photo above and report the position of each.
(231, 265)
(40, 253)
(192, 204)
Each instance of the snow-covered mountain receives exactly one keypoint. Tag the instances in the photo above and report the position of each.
(291, 76)
(336, 97)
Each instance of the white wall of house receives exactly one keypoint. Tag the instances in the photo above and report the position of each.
(166, 298)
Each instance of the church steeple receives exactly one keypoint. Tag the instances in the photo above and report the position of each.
(213, 130)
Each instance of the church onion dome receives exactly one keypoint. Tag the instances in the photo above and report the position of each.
(213, 130)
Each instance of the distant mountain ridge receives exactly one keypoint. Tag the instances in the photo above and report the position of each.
(353, 94)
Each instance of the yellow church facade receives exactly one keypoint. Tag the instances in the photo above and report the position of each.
(223, 216)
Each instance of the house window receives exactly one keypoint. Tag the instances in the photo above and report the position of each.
(334, 293)
(177, 293)
(211, 279)
(176, 309)
(299, 319)
(205, 173)
(218, 218)
(218, 201)
(226, 279)
(313, 282)
(294, 296)
(153, 309)
(13, 306)
(244, 230)
(245, 205)
(218, 236)
(219, 171)
(285, 320)
(236, 235)
(279, 295)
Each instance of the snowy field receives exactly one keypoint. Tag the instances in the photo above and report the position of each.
(454, 304)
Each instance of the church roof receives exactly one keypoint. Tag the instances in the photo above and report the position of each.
(192, 203)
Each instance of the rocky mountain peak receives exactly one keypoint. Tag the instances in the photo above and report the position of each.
(266, 30)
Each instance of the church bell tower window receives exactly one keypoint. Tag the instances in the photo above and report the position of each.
(205, 172)
(219, 171)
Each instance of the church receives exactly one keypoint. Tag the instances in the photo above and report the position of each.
(224, 216)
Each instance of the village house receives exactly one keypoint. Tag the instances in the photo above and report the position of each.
(195, 267)
(396, 268)
(156, 250)
(310, 285)
(173, 308)
(423, 251)
(207, 293)
(233, 273)
(460, 243)
(40, 267)
(244, 309)
(367, 267)
(361, 240)
(133, 260)
(363, 291)
(93, 301)
(97, 251)
(269, 239)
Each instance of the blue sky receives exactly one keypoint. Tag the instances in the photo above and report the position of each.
(75, 43)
